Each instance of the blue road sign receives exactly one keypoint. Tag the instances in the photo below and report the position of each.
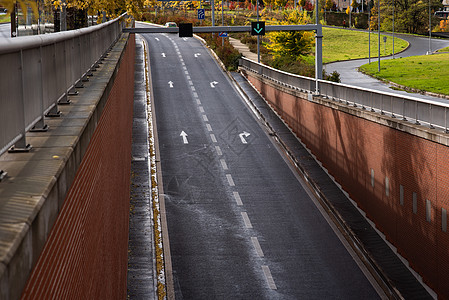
(201, 14)
(223, 34)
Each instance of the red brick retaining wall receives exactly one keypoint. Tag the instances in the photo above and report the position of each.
(352, 148)
(85, 256)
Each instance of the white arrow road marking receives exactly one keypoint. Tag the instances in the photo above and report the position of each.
(213, 84)
(184, 137)
(197, 54)
(170, 83)
(244, 135)
(163, 54)
(156, 39)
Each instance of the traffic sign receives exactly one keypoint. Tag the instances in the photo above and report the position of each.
(258, 28)
(201, 14)
(223, 34)
(185, 30)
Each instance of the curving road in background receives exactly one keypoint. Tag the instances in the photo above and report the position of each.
(350, 75)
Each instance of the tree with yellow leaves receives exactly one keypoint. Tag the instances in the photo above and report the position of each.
(23, 4)
(293, 44)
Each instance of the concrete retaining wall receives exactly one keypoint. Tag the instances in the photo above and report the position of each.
(87, 251)
(84, 216)
(394, 171)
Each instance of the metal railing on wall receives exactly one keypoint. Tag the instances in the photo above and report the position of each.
(39, 72)
(416, 110)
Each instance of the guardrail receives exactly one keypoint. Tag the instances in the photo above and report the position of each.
(413, 109)
(38, 72)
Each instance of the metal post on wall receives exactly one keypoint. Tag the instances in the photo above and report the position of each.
(20, 145)
(40, 126)
(13, 21)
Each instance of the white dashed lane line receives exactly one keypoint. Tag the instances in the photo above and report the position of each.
(236, 195)
(237, 198)
(246, 220)
(256, 245)
(223, 164)
(230, 180)
(269, 277)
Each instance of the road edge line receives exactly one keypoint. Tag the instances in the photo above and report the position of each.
(167, 286)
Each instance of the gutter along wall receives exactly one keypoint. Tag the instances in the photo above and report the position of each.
(394, 170)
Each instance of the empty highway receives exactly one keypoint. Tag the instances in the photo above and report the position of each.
(241, 223)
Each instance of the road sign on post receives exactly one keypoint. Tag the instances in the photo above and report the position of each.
(185, 30)
(258, 28)
(223, 34)
(201, 14)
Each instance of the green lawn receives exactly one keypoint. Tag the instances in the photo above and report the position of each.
(5, 18)
(428, 72)
(444, 50)
(341, 44)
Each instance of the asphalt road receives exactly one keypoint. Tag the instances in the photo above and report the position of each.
(350, 75)
(240, 222)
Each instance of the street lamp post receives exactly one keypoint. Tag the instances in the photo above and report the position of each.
(258, 37)
(318, 50)
(430, 31)
(369, 34)
(378, 35)
(222, 22)
(393, 29)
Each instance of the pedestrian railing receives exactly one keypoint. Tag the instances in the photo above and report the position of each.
(416, 110)
(39, 72)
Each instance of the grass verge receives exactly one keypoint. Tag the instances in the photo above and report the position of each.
(5, 18)
(341, 44)
(444, 50)
(425, 73)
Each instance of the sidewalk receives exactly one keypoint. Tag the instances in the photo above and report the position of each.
(243, 49)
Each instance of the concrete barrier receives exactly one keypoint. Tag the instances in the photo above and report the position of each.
(33, 195)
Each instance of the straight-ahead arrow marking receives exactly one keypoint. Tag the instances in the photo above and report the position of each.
(163, 54)
(184, 137)
(170, 83)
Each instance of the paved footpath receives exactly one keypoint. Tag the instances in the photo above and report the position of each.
(243, 49)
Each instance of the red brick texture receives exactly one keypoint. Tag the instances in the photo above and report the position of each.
(350, 147)
(85, 256)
